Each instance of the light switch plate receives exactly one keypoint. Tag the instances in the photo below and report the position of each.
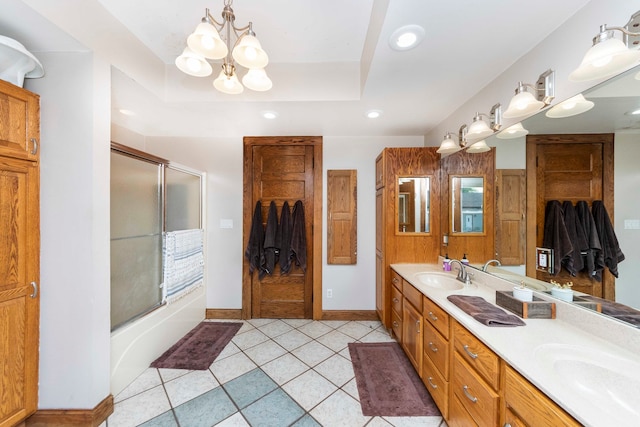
(632, 224)
(226, 223)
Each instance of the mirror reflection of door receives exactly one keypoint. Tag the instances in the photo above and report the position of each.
(413, 205)
(467, 204)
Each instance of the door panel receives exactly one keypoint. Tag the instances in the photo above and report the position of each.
(279, 173)
(568, 168)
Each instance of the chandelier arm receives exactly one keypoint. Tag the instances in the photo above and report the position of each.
(209, 18)
(622, 29)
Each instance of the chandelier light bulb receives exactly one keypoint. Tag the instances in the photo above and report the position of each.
(570, 107)
(513, 131)
(193, 64)
(257, 79)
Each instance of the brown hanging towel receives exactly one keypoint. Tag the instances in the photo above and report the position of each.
(255, 247)
(574, 262)
(284, 236)
(593, 260)
(271, 248)
(555, 234)
(299, 237)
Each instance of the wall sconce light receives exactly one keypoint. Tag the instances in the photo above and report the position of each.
(449, 146)
(525, 103)
(512, 132)
(570, 107)
(478, 147)
(479, 129)
(608, 55)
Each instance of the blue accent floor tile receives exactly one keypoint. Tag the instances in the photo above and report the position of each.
(206, 410)
(163, 420)
(276, 409)
(250, 387)
(306, 421)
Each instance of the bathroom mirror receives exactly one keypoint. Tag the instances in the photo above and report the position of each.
(413, 205)
(615, 100)
(467, 204)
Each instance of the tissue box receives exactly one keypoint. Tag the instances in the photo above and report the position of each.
(536, 309)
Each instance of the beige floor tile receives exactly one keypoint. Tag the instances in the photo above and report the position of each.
(284, 368)
(336, 369)
(292, 340)
(265, 352)
(145, 381)
(139, 408)
(309, 389)
(339, 410)
(188, 386)
(232, 367)
(313, 353)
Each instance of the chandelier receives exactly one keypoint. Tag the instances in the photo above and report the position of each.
(235, 46)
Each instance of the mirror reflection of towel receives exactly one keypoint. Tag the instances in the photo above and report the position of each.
(610, 248)
(593, 259)
(255, 249)
(574, 262)
(556, 236)
(271, 247)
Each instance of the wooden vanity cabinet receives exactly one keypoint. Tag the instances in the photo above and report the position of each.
(412, 324)
(524, 405)
(475, 379)
(436, 354)
(19, 253)
(396, 306)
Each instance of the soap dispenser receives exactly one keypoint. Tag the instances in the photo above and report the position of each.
(446, 266)
(464, 260)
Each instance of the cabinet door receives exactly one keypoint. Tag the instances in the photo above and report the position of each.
(412, 334)
(19, 122)
(19, 299)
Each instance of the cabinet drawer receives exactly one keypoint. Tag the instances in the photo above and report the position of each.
(458, 416)
(436, 316)
(436, 348)
(477, 397)
(437, 385)
(396, 325)
(396, 280)
(478, 355)
(413, 295)
(525, 402)
(396, 300)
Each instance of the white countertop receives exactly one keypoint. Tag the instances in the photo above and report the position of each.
(595, 348)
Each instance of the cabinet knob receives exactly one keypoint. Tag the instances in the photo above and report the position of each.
(34, 294)
(396, 300)
(395, 324)
(433, 347)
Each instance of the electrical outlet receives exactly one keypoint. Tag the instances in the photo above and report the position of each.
(329, 293)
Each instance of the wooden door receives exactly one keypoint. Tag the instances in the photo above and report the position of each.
(19, 296)
(279, 170)
(568, 168)
(511, 187)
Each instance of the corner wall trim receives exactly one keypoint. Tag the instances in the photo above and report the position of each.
(223, 313)
(72, 417)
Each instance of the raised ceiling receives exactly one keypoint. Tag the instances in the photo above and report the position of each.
(330, 60)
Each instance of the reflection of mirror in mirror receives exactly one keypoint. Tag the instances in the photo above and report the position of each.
(413, 204)
(467, 204)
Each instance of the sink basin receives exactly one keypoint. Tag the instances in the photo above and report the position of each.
(608, 381)
(439, 280)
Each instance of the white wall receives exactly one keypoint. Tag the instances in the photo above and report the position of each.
(353, 286)
(74, 227)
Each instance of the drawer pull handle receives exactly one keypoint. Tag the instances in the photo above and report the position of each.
(433, 316)
(395, 324)
(433, 386)
(433, 347)
(34, 286)
(417, 327)
(507, 425)
(470, 353)
(472, 398)
(34, 143)
(395, 280)
(396, 300)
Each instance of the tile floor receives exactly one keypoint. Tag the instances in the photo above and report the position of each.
(274, 373)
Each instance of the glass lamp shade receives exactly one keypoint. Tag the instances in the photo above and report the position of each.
(448, 146)
(513, 131)
(605, 59)
(522, 104)
(228, 84)
(206, 41)
(479, 147)
(570, 107)
(257, 79)
(479, 129)
(193, 64)
(249, 53)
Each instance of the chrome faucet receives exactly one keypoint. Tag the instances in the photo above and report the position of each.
(463, 275)
(486, 264)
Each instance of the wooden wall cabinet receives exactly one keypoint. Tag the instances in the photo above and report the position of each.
(19, 253)
(412, 324)
(392, 246)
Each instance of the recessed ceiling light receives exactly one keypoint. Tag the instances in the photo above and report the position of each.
(127, 112)
(374, 114)
(406, 37)
(269, 115)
